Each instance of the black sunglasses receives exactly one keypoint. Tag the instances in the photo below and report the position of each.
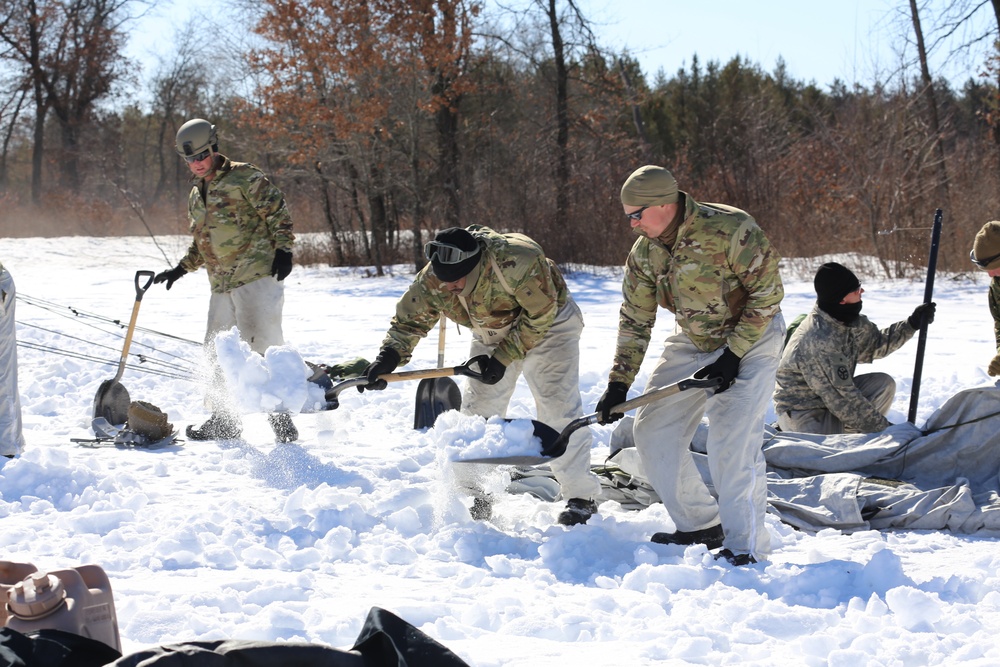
(447, 254)
(982, 263)
(636, 215)
(199, 157)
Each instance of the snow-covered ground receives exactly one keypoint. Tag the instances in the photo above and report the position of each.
(297, 542)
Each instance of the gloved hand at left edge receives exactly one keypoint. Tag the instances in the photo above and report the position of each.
(492, 368)
(727, 366)
(282, 264)
(386, 362)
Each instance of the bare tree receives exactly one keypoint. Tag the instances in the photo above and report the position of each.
(177, 90)
(932, 108)
(71, 53)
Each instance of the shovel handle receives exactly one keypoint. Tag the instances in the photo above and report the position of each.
(141, 289)
(557, 447)
(669, 390)
(464, 369)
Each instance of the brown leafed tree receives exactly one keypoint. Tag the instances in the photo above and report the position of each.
(342, 75)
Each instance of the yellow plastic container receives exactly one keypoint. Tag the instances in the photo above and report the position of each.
(76, 600)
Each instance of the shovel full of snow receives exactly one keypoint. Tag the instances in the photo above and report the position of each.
(553, 443)
(332, 394)
(112, 399)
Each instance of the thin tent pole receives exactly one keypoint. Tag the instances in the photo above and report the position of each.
(928, 297)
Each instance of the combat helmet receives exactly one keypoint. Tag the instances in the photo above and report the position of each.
(195, 139)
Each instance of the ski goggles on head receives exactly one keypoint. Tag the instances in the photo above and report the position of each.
(982, 263)
(199, 157)
(447, 254)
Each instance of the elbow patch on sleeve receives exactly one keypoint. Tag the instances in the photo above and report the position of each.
(533, 299)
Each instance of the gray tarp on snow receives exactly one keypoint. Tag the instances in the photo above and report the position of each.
(945, 475)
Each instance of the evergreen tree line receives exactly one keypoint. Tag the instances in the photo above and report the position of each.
(387, 120)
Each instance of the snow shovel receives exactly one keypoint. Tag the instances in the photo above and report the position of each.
(333, 402)
(436, 395)
(554, 443)
(112, 399)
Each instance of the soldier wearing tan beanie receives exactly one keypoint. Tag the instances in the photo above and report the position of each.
(985, 254)
(712, 267)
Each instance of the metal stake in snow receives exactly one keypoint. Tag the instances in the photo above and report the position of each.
(928, 296)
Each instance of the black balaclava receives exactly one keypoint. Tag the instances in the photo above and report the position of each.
(833, 282)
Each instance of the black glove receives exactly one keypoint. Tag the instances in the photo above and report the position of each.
(725, 367)
(282, 264)
(921, 314)
(385, 362)
(614, 395)
(170, 277)
(491, 369)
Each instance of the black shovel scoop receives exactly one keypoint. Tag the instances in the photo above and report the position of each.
(554, 443)
(436, 396)
(112, 399)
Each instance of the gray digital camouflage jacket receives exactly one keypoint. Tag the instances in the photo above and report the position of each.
(817, 367)
(237, 224)
(720, 280)
(539, 291)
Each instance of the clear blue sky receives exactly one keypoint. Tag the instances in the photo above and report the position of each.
(819, 40)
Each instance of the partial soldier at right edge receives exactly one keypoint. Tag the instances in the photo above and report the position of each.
(985, 254)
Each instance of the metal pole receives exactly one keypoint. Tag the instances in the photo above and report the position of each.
(928, 297)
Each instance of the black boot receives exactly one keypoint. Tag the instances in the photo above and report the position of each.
(284, 429)
(482, 508)
(577, 511)
(711, 537)
(220, 426)
(735, 559)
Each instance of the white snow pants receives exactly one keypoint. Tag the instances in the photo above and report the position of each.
(254, 308)
(663, 431)
(552, 371)
(11, 437)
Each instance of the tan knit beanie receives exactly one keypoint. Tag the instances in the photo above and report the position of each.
(987, 245)
(649, 186)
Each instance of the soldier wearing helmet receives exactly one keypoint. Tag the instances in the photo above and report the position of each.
(242, 235)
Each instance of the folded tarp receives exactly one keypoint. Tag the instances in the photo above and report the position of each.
(945, 475)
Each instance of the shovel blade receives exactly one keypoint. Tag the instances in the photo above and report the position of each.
(553, 446)
(434, 396)
(111, 402)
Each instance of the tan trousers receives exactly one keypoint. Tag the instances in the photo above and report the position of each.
(878, 388)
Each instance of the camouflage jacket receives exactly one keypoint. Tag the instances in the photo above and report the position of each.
(817, 367)
(995, 308)
(539, 291)
(720, 280)
(238, 219)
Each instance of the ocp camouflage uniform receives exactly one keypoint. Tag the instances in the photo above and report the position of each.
(816, 381)
(719, 276)
(531, 324)
(238, 219)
